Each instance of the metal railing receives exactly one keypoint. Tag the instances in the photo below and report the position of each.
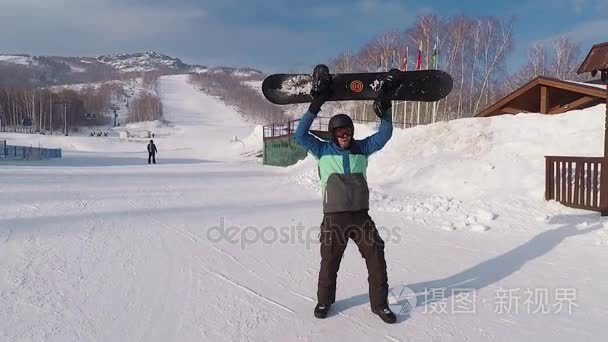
(30, 152)
(319, 124)
(11, 129)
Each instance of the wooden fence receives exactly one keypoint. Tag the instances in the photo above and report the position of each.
(576, 182)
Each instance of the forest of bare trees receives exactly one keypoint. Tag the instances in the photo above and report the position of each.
(473, 50)
(41, 108)
(558, 58)
(145, 107)
(234, 92)
(44, 108)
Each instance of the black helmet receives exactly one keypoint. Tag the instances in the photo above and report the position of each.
(339, 121)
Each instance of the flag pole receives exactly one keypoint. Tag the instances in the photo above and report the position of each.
(405, 60)
(436, 63)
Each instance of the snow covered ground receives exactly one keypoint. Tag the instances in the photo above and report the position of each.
(211, 246)
(21, 60)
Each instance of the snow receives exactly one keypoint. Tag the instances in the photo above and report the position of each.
(141, 62)
(99, 245)
(244, 73)
(601, 86)
(297, 85)
(74, 68)
(21, 60)
(199, 70)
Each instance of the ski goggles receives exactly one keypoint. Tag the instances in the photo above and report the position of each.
(343, 133)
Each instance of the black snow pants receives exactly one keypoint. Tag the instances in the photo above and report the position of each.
(151, 157)
(336, 229)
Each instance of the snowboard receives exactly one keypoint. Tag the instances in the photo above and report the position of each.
(419, 85)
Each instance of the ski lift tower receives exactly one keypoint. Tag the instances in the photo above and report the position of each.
(597, 62)
(64, 102)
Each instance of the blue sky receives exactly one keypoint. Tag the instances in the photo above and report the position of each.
(270, 35)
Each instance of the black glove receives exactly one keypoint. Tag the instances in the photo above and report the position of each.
(382, 103)
(318, 99)
(321, 88)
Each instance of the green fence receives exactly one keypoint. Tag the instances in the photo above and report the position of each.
(284, 150)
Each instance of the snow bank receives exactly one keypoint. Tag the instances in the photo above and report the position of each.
(464, 174)
(501, 155)
(470, 157)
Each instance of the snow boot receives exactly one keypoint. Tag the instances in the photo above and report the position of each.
(386, 315)
(321, 310)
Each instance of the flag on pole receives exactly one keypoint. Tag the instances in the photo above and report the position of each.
(419, 59)
(404, 63)
(435, 55)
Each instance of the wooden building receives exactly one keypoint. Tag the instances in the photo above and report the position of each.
(596, 60)
(548, 95)
(582, 182)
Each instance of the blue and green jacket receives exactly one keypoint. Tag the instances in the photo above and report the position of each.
(343, 171)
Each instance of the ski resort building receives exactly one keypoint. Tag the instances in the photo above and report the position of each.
(579, 182)
(548, 95)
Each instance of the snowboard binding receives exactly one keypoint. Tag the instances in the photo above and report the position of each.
(321, 79)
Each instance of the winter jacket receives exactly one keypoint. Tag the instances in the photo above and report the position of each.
(343, 171)
(152, 148)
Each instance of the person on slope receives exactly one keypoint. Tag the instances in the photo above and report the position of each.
(342, 164)
(152, 152)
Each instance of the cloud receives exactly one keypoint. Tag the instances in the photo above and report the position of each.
(388, 8)
(270, 34)
(36, 21)
(578, 6)
(588, 32)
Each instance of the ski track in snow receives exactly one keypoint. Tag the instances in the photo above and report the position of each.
(248, 290)
(194, 239)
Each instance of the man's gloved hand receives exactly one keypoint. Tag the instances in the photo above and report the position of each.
(318, 99)
(389, 84)
(321, 88)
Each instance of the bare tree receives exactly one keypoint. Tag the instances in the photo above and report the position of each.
(537, 56)
(566, 54)
(344, 63)
(233, 92)
(145, 107)
(562, 63)
(497, 42)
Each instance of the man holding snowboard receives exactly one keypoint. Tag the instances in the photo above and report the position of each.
(342, 164)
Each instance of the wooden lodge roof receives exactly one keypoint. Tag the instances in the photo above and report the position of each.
(548, 96)
(596, 59)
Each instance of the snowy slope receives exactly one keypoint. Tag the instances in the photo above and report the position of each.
(207, 126)
(17, 59)
(101, 246)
